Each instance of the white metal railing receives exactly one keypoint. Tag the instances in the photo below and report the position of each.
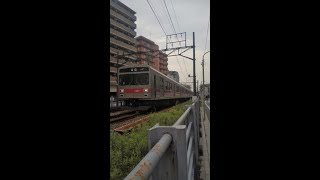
(207, 109)
(174, 150)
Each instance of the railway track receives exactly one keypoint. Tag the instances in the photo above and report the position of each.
(127, 122)
(122, 114)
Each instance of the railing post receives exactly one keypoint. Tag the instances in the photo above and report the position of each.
(193, 118)
(173, 164)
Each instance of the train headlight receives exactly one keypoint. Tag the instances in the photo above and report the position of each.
(122, 90)
(145, 90)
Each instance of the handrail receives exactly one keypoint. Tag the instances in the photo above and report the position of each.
(207, 109)
(180, 161)
(182, 118)
(144, 169)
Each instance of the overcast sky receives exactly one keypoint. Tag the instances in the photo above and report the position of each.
(188, 16)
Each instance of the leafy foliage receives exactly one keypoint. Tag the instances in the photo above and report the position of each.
(128, 149)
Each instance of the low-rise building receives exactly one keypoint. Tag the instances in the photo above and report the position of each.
(174, 75)
(149, 54)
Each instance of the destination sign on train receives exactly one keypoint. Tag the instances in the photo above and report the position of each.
(139, 69)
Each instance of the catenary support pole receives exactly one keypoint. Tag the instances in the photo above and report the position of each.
(117, 93)
(194, 67)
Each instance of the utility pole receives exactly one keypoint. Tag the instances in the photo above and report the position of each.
(203, 81)
(197, 86)
(203, 70)
(194, 67)
(118, 65)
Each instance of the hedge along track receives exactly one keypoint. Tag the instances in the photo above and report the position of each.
(128, 124)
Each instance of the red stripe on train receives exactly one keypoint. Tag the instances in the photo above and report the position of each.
(136, 90)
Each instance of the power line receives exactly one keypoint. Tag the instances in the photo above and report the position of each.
(172, 26)
(159, 14)
(175, 16)
(157, 18)
(177, 36)
(207, 35)
(166, 35)
(180, 68)
(161, 4)
(170, 17)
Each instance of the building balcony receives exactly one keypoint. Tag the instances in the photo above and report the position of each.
(122, 27)
(123, 10)
(163, 58)
(114, 51)
(113, 80)
(113, 69)
(123, 19)
(145, 45)
(120, 52)
(113, 60)
(123, 36)
(163, 62)
(129, 64)
(142, 54)
(123, 45)
(146, 58)
(164, 69)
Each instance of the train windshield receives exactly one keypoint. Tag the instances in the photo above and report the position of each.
(134, 79)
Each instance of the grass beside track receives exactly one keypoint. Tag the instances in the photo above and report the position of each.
(128, 149)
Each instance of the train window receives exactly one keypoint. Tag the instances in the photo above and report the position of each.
(126, 79)
(161, 82)
(141, 79)
(134, 79)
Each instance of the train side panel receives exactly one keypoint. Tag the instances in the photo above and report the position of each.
(159, 87)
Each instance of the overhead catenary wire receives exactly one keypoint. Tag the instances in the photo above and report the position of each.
(175, 16)
(205, 47)
(163, 29)
(165, 13)
(182, 72)
(158, 14)
(164, 32)
(157, 18)
(183, 60)
(173, 28)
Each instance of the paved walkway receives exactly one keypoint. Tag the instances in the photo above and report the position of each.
(205, 143)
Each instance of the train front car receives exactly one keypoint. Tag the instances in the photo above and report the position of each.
(134, 85)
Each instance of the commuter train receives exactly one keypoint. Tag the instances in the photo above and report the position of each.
(142, 85)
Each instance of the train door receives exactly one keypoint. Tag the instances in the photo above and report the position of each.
(155, 86)
(174, 90)
(161, 87)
